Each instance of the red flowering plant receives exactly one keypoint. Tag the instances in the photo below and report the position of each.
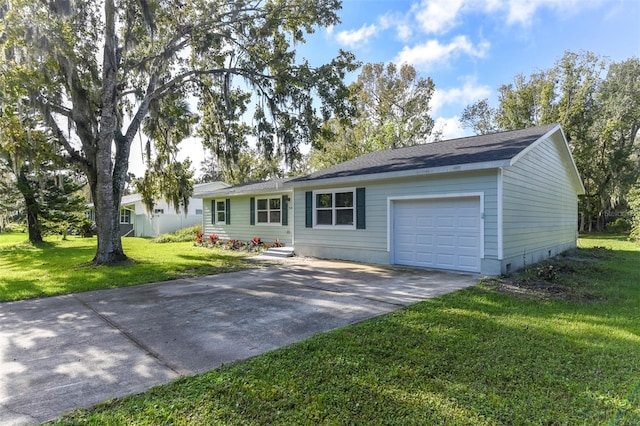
(213, 238)
(199, 238)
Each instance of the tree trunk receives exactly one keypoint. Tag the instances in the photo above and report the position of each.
(32, 207)
(106, 190)
(33, 223)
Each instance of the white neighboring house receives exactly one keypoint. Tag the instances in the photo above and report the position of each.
(135, 221)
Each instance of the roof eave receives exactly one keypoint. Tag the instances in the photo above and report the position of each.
(222, 193)
(400, 174)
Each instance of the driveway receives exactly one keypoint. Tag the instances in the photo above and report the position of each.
(65, 352)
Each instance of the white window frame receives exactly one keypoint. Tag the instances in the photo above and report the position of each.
(224, 210)
(198, 211)
(268, 210)
(158, 211)
(334, 209)
(125, 213)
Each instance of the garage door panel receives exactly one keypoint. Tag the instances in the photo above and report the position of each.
(445, 242)
(469, 242)
(443, 233)
(446, 261)
(424, 222)
(468, 222)
(424, 258)
(468, 261)
(444, 222)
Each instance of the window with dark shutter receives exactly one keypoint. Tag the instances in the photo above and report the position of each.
(360, 209)
(285, 210)
(252, 211)
(334, 208)
(308, 209)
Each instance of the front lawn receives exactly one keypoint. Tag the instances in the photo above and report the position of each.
(551, 346)
(62, 266)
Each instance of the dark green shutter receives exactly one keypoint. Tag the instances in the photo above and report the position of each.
(308, 209)
(285, 210)
(213, 212)
(227, 209)
(360, 209)
(252, 211)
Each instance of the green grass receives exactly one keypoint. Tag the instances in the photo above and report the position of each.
(63, 266)
(11, 239)
(480, 356)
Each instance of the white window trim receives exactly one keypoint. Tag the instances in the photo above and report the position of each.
(333, 208)
(224, 203)
(268, 211)
(122, 210)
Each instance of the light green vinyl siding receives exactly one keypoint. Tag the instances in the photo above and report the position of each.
(370, 244)
(240, 227)
(539, 204)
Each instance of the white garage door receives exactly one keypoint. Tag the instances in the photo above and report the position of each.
(440, 233)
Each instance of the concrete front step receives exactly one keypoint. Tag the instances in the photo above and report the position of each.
(279, 252)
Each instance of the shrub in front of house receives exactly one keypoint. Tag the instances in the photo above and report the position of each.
(254, 245)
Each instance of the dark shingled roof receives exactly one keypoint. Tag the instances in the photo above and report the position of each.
(251, 187)
(469, 150)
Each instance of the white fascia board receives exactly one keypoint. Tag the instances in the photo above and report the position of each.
(565, 143)
(346, 180)
(244, 193)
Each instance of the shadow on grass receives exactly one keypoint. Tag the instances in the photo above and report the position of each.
(56, 267)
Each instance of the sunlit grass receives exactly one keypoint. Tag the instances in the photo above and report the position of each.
(474, 357)
(13, 238)
(63, 266)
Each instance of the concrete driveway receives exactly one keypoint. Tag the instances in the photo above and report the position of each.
(65, 352)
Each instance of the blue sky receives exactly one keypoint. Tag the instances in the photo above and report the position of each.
(471, 47)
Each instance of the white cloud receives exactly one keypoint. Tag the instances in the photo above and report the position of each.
(450, 128)
(437, 16)
(356, 38)
(522, 12)
(440, 16)
(399, 22)
(469, 93)
(433, 52)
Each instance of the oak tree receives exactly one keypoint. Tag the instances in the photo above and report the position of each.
(93, 68)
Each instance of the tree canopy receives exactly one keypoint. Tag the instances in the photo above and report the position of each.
(95, 68)
(392, 111)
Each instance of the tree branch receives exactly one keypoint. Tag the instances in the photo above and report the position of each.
(73, 155)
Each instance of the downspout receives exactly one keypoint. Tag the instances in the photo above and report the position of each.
(292, 218)
(499, 224)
